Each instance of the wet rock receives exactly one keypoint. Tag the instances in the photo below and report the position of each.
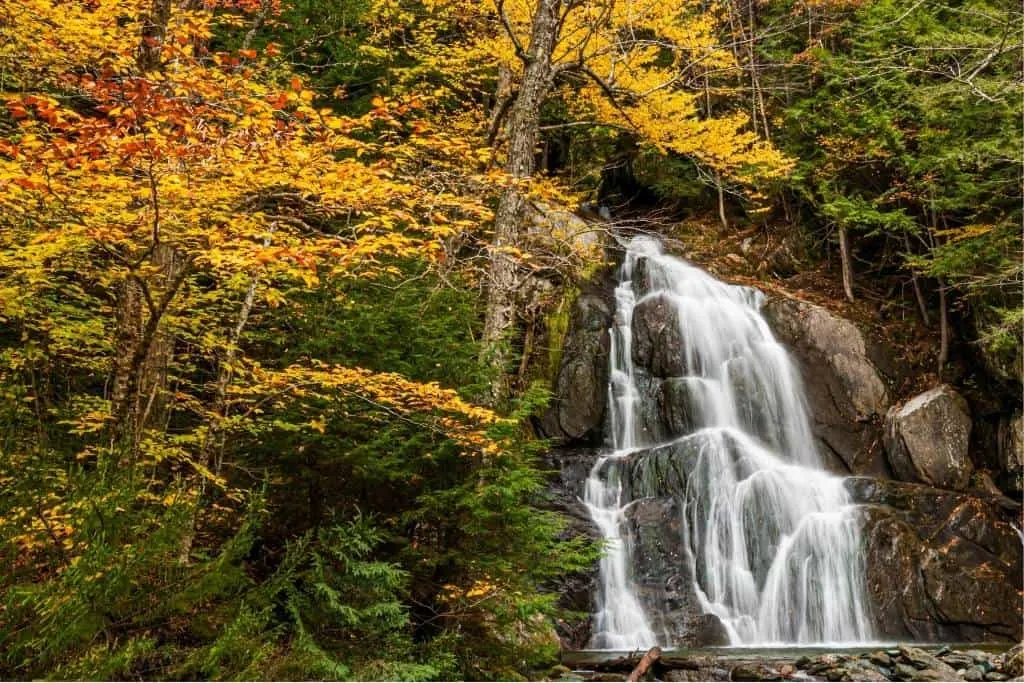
(575, 590)
(996, 676)
(607, 677)
(1011, 452)
(580, 388)
(657, 337)
(676, 406)
(707, 630)
(803, 676)
(865, 672)
(974, 673)
(933, 675)
(927, 439)
(939, 565)
(922, 660)
(957, 660)
(880, 659)
(846, 392)
(1013, 661)
(755, 672)
(904, 672)
(838, 673)
(662, 580)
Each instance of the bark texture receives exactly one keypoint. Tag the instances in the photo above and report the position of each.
(523, 130)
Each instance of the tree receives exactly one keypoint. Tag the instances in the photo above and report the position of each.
(166, 208)
(634, 67)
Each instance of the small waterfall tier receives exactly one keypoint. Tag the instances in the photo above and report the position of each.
(710, 439)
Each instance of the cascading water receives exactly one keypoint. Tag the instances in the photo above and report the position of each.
(770, 539)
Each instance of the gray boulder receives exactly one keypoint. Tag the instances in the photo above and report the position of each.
(846, 392)
(927, 439)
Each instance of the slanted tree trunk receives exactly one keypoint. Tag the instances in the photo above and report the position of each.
(922, 306)
(846, 261)
(718, 176)
(523, 131)
(943, 328)
(645, 663)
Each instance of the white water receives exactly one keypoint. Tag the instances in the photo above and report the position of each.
(771, 538)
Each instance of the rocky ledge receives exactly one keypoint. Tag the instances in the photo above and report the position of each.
(901, 663)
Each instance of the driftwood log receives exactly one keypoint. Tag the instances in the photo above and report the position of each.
(645, 664)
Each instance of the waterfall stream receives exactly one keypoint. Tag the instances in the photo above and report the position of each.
(771, 544)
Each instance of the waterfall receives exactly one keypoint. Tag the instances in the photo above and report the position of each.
(771, 543)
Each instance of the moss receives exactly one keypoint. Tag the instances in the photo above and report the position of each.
(557, 326)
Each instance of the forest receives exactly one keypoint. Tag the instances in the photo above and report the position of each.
(285, 284)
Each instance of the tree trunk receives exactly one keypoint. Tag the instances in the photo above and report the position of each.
(718, 176)
(523, 131)
(645, 664)
(847, 265)
(922, 307)
(154, 32)
(943, 328)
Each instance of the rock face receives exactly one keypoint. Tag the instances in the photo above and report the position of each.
(927, 439)
(576, 591)
(941, 565)
(577, 411)
(657, 337)
(663, 582)
(846, 392)
(1011, 453)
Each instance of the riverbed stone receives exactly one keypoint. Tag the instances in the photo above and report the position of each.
(927, 439)
(1013, 660)
(754, 671)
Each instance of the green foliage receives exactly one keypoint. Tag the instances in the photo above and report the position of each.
(347, 541)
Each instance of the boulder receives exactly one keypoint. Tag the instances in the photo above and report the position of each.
(580, 388)
(927, 439)
(658, 337)
(846, 392)
(941, 565)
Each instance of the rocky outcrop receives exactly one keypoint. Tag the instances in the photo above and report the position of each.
(941, 565)
(846, 392)
(580, 388)
(927, 439)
